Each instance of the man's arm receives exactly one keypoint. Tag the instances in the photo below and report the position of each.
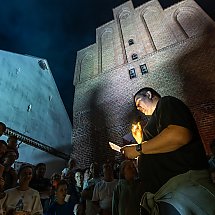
(170, 139)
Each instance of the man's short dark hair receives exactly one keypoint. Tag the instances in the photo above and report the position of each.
(143, 91)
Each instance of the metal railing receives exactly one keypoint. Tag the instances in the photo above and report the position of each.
(36, 144)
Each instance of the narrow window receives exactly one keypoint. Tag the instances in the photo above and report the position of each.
(143, 69)
(134, 56)
(130, 42)
(132, 73)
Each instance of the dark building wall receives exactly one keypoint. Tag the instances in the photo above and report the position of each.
(179, 55)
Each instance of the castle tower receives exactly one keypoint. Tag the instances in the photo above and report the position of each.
(171, 50)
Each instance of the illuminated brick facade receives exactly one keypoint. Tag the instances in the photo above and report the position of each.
(175, 45)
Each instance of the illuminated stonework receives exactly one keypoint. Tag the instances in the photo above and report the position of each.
(177, 45)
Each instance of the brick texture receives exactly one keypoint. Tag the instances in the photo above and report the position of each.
(179, 55)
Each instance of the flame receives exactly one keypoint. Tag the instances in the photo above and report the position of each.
(136, 126)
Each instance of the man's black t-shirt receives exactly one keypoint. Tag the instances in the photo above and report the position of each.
(156, 169)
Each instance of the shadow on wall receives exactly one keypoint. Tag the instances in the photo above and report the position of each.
(99, 136)
(55, 166)
(197, 71)
(53, 163)
(133, 117)
(65, 148)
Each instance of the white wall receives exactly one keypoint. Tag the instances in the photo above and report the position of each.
(24, 84)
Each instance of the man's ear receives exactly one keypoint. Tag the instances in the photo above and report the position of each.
(149, 94)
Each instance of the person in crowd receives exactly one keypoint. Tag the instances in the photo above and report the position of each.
(72, 188)
(40, 183)
(9, 174)
(79, 178)
(69, 169)
(211, 160)
(86, 177)
(103, 191)
(2, 128)
(79, 209)
(62, 204)
(12, 144)
(3, 149)
(2, 184)
(170, 155)
(55, 179)
(127, 193)
(23, 199)
(87, 193)
(116, 167)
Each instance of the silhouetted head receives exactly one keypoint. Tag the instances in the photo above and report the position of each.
(12, 141)
(2, 128)
(3, 148)
(40, 170)
(146, 100)
(61, 190)
(127, 170)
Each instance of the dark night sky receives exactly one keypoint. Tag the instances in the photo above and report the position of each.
(57, 29)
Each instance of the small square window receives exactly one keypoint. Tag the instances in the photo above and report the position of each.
(134, 56)
(132, 73)
(130, 42)
(143, 69)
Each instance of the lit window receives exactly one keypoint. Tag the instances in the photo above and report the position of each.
(143, 69)
(134, 56)
(130, 42)
(132, 73)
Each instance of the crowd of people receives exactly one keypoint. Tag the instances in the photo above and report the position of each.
(165, 172)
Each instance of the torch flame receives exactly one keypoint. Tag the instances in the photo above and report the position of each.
(136, 126)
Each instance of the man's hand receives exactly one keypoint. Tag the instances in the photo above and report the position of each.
(137, 132)
(130, 151)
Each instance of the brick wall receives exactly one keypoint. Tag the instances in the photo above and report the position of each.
(180, 63)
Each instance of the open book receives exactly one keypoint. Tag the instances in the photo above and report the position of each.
(115, 147)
